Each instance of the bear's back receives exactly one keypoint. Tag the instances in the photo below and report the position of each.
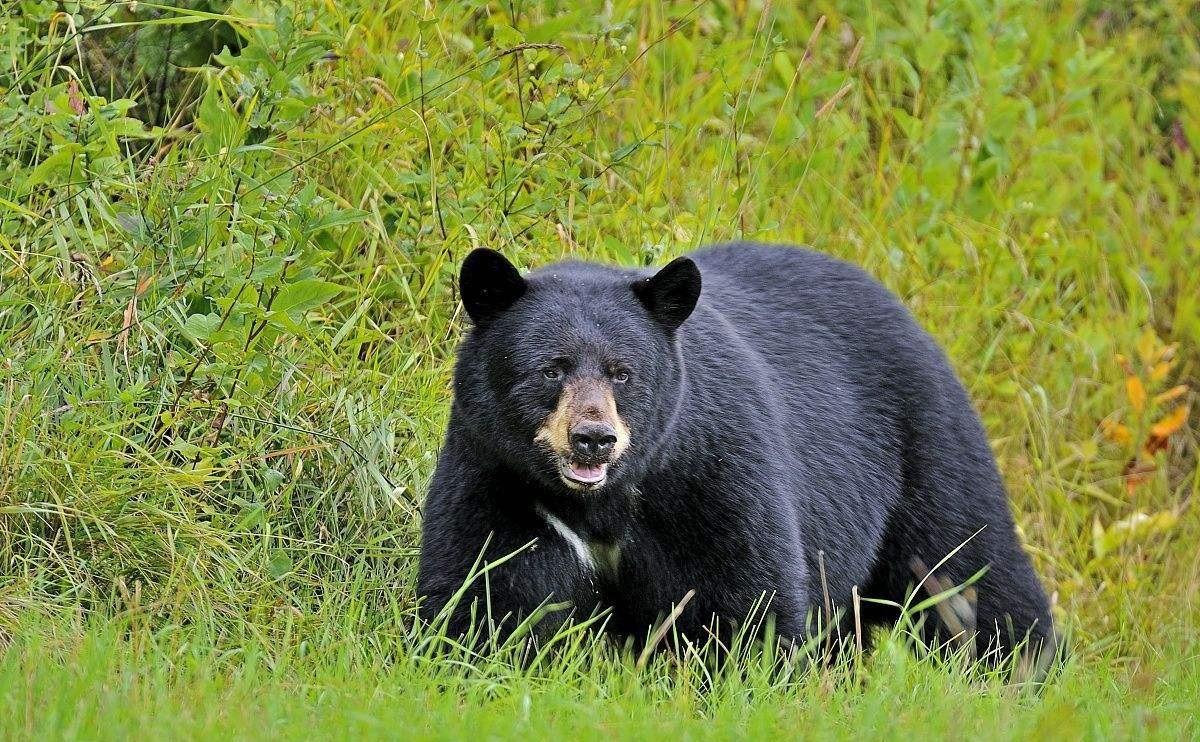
(843, 364)
(815, 319)
(771, 287)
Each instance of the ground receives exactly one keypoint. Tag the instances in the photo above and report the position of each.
(225, 341)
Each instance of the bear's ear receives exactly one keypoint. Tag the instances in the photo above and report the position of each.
(488, 284)
(672, 293)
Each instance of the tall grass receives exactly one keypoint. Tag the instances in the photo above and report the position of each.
(225, 340)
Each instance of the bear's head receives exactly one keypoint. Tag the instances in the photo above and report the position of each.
(572, 375)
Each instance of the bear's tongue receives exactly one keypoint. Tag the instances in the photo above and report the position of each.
(588, 473)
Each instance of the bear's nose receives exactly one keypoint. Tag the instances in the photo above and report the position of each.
(592, 439)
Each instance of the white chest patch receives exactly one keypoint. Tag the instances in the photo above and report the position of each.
(572, 538)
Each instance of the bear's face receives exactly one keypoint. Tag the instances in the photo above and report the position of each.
(569, 375)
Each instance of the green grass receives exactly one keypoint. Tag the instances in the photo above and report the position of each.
(225, 341)
(96, 683)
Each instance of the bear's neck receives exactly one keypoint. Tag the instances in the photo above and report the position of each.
(597, 518)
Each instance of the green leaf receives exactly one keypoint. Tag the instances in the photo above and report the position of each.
(932, 49)
(279, 564)
(217, 122)
(200, 327)
(910, 125)
(61, 167)
(505, 35)
(301, 296)
(571, 71)
(553, 30)
(784, 67)
(1133, 529)
(339, 218)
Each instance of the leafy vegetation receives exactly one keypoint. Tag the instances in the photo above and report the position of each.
(228, 233)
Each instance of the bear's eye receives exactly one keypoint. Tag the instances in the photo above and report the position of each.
(620, 376)
(553, 373)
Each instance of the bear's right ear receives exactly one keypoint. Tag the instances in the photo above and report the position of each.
(488, 284)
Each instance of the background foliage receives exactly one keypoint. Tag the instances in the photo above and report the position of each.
(228, 233)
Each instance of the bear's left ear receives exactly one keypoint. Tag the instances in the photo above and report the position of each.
(672, 293)
(488, 284)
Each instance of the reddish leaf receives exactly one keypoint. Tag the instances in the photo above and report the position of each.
(1136, 393)
(1116, 432)
(1160, 370)
(1136, 473)
(1171, 423)
(1174, 392)
(74, 98)
(1162, 430)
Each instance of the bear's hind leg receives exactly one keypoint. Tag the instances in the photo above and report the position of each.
(952, 527)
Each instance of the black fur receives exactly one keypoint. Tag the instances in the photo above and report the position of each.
(798, 421)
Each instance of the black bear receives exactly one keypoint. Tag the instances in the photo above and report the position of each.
(784, 436)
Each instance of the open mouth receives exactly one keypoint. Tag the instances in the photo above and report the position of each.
(583, 475)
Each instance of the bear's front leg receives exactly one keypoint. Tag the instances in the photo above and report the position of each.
(739, 555)
(517, 580)
(492, 565)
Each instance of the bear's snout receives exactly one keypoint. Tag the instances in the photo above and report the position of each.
(593, 440)
(585, 433)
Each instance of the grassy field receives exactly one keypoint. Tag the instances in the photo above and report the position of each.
(228, 233)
